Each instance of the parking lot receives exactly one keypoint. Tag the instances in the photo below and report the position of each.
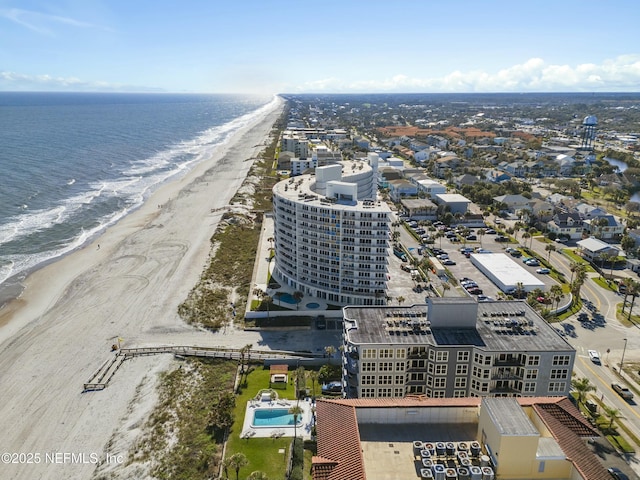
(463, 268)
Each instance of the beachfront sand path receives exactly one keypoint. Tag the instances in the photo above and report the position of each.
(72, 311)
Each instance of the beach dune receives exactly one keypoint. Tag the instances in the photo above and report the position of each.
(61, 329)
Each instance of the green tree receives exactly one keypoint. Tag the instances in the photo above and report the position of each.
(627, 243)
(550, 248)
(400, 300)
(556, 294)
(612, 414)
(582, 386)
(297, 412)
(237, 461)
(298, 296)
(313, 376)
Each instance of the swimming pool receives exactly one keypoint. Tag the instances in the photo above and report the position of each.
(273, 417)
(313, 305)
(287, 298)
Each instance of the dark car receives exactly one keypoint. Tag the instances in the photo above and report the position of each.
(501, 238)
(616, 473)
(332, 388)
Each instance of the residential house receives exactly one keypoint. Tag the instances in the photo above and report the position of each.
(516, 169)
(497, 176)
(606, 227)
(595, 250)
(444, 163)
(567, 225)
(513, 202)
(587, 211)
(401, 188)
(466, 179)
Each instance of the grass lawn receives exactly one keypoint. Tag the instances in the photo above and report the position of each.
(577, 258)
(262, 453)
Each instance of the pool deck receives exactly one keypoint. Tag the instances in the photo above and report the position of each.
(303, 430)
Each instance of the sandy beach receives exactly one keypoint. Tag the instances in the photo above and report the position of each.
(61, 329)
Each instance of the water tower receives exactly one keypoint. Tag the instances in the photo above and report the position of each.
(589, 125)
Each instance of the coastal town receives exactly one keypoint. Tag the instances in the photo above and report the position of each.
(493, 222)
(357, 286)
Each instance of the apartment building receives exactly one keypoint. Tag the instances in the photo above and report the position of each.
(453, 347)
(332, 235)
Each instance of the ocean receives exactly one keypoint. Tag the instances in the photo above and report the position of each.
(75, 163)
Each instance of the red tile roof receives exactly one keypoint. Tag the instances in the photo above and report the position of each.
(567, 426)
(340, 455)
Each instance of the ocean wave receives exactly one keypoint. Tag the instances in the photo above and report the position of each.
(105, 201)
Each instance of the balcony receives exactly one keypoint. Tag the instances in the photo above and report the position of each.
(509, 362)
(505, 376)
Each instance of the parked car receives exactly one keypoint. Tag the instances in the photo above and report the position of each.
(490, 231)
(448, 261)
(516, 253)
(594, 356)
(624, 392)
(475, 291)
(543, 271)
(501, 238)
(471, 237)
(532, 262)
(332, 387)
(616, 473)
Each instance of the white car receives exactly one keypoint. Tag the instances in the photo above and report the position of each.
(594, 356)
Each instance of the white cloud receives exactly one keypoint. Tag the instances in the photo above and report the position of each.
(41, 22)
(12, 81)
(619, 74)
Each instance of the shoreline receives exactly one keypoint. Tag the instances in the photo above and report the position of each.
(60, 329)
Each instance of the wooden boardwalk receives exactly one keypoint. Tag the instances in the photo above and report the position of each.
(100, 379)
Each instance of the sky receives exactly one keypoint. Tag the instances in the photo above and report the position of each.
(328, 46)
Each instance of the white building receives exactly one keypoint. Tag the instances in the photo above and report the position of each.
(504, 272)
(332, 235)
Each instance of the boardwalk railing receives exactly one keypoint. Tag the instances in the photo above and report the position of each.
(100, 379)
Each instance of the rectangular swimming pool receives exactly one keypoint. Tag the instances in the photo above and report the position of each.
(273, 417)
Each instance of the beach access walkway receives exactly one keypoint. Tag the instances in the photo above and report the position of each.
(100, 379)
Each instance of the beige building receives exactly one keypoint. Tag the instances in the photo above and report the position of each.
(454, 438)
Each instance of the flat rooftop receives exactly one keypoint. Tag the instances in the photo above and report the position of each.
(505, 270)
(500, 326)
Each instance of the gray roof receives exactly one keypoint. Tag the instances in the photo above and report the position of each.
(509, 417)
(500, 326)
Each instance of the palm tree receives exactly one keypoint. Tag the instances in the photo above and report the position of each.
(612, 414)
(574, 267)
(481, 233)
(445, 287)
(226, 463)
(237, 461)
(298, 296)
(526, 235)
(400, 300)
(582, 386)
(313, 376)
(531, 231)
(519, 290)
(296, 411)
(556, 294)
(576, 285)
(550, 248)
(634, 291)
